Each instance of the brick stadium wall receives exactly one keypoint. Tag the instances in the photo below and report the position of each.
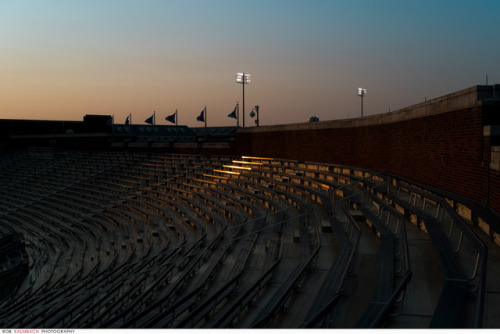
(444, 149)
(495, 190)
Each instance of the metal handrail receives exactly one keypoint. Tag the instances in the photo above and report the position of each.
(278, 304)
(477, 244)
(327, 306)
(362, 179)
(405, 262)
(250, 293)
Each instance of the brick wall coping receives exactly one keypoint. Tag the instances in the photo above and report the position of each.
(467, 98)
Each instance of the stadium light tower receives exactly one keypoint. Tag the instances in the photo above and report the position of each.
(361, 92)
(243, 79)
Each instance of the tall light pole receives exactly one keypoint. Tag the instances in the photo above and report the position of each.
(243, 79)
(361, 92)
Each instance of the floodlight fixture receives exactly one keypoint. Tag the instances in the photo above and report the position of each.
(243, 79)
(361, 93)
(254, 112)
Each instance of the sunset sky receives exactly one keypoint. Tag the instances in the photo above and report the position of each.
(60, 60)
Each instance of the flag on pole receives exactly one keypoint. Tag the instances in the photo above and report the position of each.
(171, 118)
(149, 120)
(201, 118)
(127, 121)
(233, 114)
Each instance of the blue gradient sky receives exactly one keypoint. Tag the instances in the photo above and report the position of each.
(64, 59)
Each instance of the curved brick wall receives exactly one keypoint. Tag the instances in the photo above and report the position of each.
(439, 143)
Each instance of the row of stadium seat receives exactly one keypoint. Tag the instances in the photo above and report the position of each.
(135, 239)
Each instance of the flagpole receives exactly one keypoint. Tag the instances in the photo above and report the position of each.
(130, 125)
(243, 84)
(238, 114)
(154, 124)
(205, 122)
(176, 118)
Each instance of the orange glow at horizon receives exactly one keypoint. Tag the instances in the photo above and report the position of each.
(61, 60)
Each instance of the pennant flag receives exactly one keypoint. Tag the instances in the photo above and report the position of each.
(110, 122)
(127, 121)
(149, 120)
(201, 118)
(171, 118)
(233, 114)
